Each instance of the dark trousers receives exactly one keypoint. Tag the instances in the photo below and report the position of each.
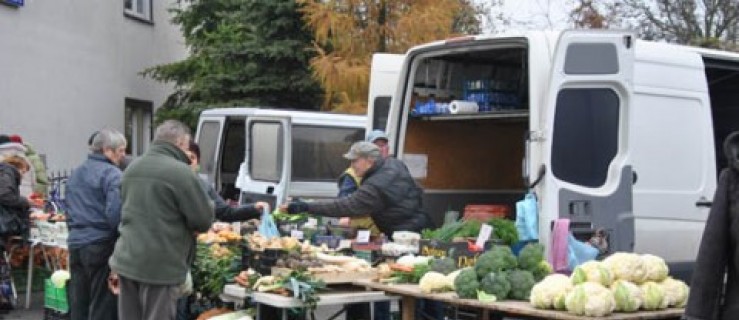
(89, 295)
(361, 311)
(142, 301)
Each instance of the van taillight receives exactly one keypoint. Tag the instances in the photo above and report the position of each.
(459, 39)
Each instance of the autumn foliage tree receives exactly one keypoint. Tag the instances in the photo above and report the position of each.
(348, 32)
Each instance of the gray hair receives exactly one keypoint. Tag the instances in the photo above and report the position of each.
(107, 139)
(172, 131)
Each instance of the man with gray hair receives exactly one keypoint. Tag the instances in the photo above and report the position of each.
(164, 206)
(94, 200)
(388, 193)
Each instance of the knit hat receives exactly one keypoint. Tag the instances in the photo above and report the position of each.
(363, 149)
(16, 138)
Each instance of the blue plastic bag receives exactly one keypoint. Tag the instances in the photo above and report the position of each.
(267, 227)
(579, 252)
(527, 218)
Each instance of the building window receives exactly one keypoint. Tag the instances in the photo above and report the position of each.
(140, 9)
(138, 126)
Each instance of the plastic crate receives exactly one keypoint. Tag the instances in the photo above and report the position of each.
(55, 298)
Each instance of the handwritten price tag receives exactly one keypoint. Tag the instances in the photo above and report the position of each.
(363, 236)
(485, 231)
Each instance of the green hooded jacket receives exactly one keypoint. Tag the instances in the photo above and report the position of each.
(164, 206)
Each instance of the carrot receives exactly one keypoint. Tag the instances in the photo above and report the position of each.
(401, 267)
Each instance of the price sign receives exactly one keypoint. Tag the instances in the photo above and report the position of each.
(485, 231)
(363, 236)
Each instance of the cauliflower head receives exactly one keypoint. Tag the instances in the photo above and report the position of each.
(590, 299)
(655, 267)
(626, 266)
(434, 281)
(676, 292)
(654, 296)
(628, 296)
(550, 293)
(592, 271)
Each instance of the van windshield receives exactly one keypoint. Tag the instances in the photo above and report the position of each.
(317, 151)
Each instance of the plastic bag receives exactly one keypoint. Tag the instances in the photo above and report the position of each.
(527, 218)
(579, 252)
(267, 227)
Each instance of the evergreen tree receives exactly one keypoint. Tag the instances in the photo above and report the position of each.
(242, 53)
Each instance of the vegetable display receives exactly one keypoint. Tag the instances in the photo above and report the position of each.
(496, 284)
(550, 293)
(590, 299)
(466, 284)
(503, 229)
(497, 259)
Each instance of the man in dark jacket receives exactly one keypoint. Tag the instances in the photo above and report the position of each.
(94, 199)
(164, 206)
(388, 193)
(714, 291)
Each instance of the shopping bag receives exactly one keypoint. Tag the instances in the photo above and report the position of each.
(579, 252)
(527, 218)
(267, 227)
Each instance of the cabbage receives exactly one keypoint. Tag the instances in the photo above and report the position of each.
(591, 271)
(654, 296)
(626, 266)
(655, 267)
(628, 296)
(59, 278)
(676, 292)
(550, 292)
(590, 299)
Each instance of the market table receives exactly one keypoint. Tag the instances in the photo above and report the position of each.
(517, 309)
(335, 296)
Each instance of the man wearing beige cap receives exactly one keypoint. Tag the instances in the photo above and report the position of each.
(388, 193)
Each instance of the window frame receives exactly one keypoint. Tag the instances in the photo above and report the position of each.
(133, 12)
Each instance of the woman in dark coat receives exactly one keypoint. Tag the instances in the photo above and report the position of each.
(718, 257)
(12, 169)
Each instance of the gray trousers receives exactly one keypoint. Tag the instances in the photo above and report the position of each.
(147, 301)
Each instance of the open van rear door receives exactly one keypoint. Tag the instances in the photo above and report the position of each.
(589, 179)
(265, 173)
(209, 139)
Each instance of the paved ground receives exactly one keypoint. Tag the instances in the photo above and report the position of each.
(35, 312)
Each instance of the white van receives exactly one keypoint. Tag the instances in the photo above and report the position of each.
(275, 154)
(608, 131)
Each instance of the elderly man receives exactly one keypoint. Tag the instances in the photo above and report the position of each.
(164, 205)
(388, 193)
(94, 199)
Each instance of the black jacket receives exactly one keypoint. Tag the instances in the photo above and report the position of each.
(224, 212)
(10, 196)
(718, 257)
(388, 193)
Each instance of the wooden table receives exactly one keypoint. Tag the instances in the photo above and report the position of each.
(518, 309)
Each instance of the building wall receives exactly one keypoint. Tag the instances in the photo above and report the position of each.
(67, 66)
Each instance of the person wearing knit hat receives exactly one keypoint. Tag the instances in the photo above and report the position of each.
(16, 138)
(40, 185)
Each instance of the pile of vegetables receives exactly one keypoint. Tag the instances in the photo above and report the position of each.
(503, 229)
(298, 284)
(623, 282)
(498, 274)
(214, 266)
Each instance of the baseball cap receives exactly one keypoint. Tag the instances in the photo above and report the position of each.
(375, 135)
(362, 149)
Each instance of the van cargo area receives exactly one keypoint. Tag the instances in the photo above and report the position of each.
(472, 156)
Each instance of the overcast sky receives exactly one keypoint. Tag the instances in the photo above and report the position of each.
(535, 14)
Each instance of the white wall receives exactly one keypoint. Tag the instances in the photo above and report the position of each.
(66, 67)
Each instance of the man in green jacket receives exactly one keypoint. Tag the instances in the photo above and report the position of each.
(164, 206)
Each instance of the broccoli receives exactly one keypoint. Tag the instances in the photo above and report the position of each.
(530, 256)
(443, 265)
(466, 284)
(496, 284)
(541, 270)
(499, 258)
(521, 283)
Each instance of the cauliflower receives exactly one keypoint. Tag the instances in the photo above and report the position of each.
(499, 258)
(628, 296)
(654, 296)
(550, 293)
(626, 266)
(466, 284)
(433, 281)
(530, 256)
(655, 267)
(592, 271)
(411, 260)
(496, 284)
(590, 299)
(676, 292)
(521, 283)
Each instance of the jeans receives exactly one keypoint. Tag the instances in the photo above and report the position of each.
(89, 295)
